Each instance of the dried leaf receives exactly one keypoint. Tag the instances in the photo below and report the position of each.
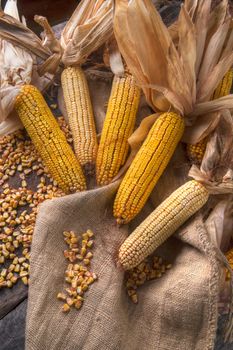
(18, 64)
(89, 27)
(187, 49)
(201, 128)
(11, 124)
(190, 6)
(225, 102)
(50, 42)
(220, 222)
(178, 76)
(217, 164)
(115, 59)
(201, 21)
(15, 32)
(217, 18)
(212, 55)
(11, 9)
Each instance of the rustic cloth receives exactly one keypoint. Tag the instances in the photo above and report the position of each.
(178, 311)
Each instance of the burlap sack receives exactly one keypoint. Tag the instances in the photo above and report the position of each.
(178, 311)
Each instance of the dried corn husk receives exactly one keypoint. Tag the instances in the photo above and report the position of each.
(89, 27)
(216, 170)
(182, 75)
(24, 59)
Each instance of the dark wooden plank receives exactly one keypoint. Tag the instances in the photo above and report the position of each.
(10, 298)
(56, 11)
(12, 328)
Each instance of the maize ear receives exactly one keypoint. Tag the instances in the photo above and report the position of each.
(197, 151)
(80, 115)
(229, 256)
(224, 88)
(49, 140)
(118, 126)
(162, 223)
(147, 167)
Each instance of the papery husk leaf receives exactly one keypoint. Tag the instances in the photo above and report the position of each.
(217, 163)
(48, 50)
(136, 140)
(89, 27)
(7, 103)
(217, 17)
(220, 222)
(201, 128)
(131, 19)
(212, 106)
(219, 150)
(187, 49)
(171, 99)
(201, 23)
(213, 187)
(11, 9)
(16, 67)
(10, 125)
(173, 31)
(15, 32)
(212, 54)
(115, 59)
(49, 41)
(151, 68)
(214, 78)
(190, 7)
(229, 43)
(164, 69)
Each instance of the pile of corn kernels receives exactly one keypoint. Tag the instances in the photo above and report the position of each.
(148, 270)
(25, 183)
(78, 274)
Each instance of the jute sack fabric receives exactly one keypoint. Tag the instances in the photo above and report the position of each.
(178, 311)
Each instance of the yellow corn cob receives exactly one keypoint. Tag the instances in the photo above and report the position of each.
(49, 140)
(224, 88)
(196, 152)
(162, 223)
(229, 256)
(80, 116)
(118, 126)
(147, 167)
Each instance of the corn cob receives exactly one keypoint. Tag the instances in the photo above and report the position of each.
(196, 152)
(80, 116)
(49, 140)
(224, 88)
(162, 223)
(229, 256)
(118, 126)
(148, 166)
